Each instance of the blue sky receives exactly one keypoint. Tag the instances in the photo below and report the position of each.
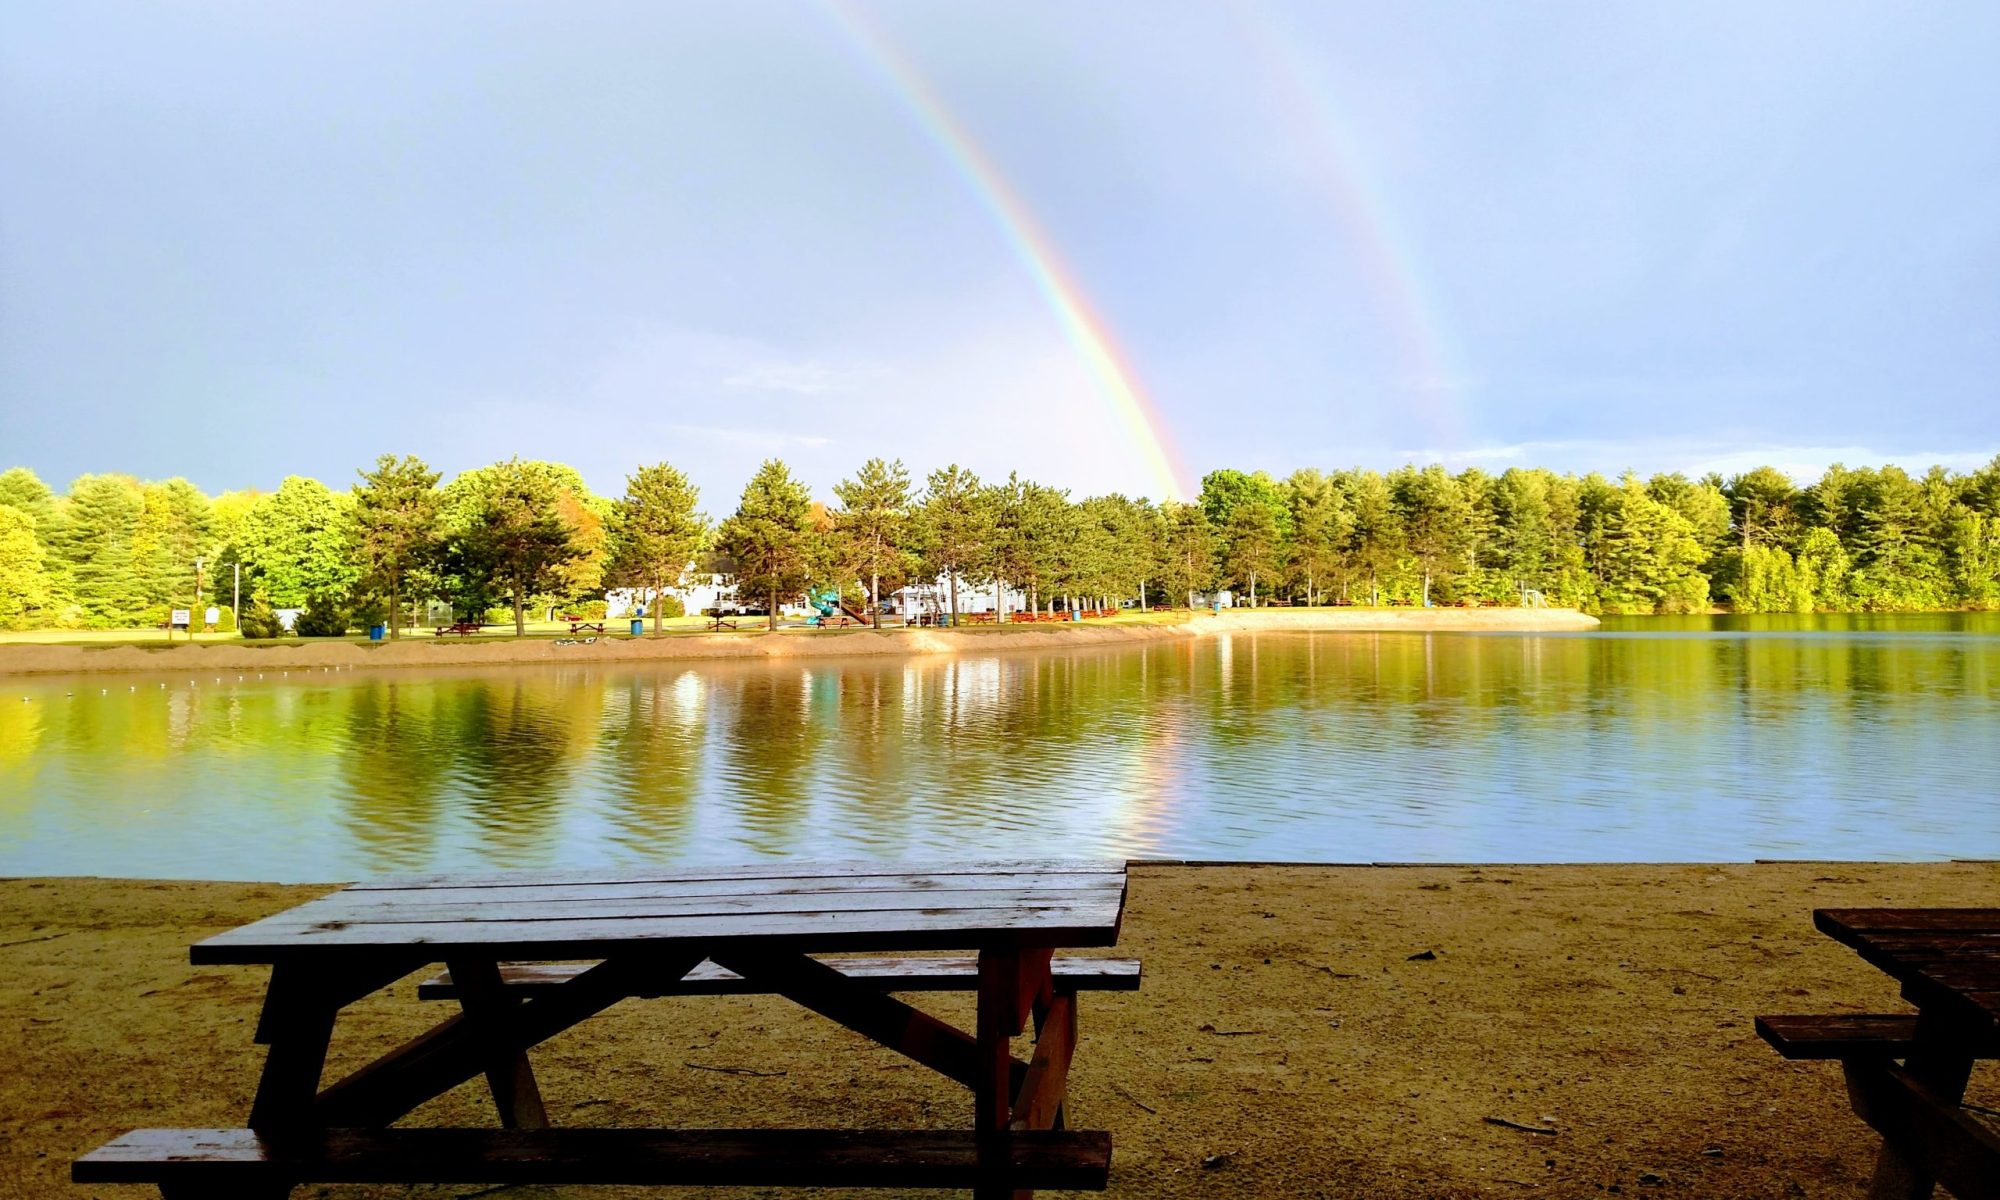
(244, 240)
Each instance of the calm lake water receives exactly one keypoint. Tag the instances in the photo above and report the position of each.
(1653, 739)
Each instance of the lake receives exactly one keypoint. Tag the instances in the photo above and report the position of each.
(1655, 739)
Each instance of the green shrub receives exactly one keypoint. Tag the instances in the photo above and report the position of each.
(592, 610)
(226, 622)
(323, 617)
(369, 610)
(258, 621)
(672, 606)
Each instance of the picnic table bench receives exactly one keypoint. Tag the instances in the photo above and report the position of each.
(528, 956)
(1906, 1073)
(579, 624)
(461, 628)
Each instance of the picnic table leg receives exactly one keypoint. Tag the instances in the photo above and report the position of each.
(1943, 1071)
(999, 1019)
(487, 1003)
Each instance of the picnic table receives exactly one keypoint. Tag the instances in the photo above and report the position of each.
(461, 628)
(579, 624)
(531, 955)
(1906, 1072)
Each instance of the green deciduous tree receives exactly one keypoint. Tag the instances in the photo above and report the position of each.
(25, 594)
(395, 529)
(770, 543)
(294, 544)
(514, 536)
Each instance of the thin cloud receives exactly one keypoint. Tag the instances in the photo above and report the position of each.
(1801, 463)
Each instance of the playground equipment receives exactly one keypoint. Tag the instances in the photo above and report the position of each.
(828, 604)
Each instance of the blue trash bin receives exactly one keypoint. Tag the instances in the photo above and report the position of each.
(377, 632)
(638, 626)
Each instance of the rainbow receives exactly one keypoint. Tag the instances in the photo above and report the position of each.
(1364, 213)
(1087, 332)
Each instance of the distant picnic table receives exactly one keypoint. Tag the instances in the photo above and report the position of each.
(461, 628)
(579, 624)
(1906, 1072)
(529, 956)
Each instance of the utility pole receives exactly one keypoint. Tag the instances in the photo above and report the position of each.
(197, 606)
(236, 597)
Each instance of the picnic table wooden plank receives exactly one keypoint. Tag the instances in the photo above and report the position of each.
(1856, 926)
(588, 908)
(1074, 925)
(777, 870)
(899, 973)
(563, 893)
(219, 1159)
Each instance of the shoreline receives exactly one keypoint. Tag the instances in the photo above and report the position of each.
(1300, 1030)
(784, 644)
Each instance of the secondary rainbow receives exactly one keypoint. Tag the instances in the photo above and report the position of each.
(1109, 369)
(1365, 214)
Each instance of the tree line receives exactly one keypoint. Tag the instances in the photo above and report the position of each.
(115, 552)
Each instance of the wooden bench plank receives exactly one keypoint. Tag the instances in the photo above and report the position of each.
(1884, 1035)
(954, 973)
(925, 1158)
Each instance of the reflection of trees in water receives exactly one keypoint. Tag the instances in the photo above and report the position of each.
(511, 739)
(397, 761)
(769, 741)
(20, 740)
(651, 741)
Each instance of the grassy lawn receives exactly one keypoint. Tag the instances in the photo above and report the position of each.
(613, 627)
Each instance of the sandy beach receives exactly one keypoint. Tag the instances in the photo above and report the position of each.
(1285, 1036)
(427, 651)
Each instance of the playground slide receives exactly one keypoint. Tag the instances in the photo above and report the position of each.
(859, 614)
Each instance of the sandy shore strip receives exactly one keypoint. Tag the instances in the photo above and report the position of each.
(426, 651)
(1292, 1038)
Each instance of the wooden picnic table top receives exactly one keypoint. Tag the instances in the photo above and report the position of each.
(817, 908)
(1947, 955)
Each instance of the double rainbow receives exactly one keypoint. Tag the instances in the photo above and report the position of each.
(1109, 368)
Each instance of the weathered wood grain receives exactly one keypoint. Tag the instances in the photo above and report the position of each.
(228, 1159)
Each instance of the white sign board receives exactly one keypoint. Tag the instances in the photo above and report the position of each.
(213, 616)
(180, 618)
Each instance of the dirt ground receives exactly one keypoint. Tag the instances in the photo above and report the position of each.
(1286, 1041)
(423, 651)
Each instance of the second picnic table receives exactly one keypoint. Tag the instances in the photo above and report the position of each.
(531, 955)
(1907, 1072)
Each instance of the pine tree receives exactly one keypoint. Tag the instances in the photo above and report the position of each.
(95, 548)
(872, 524)
(956, 527)
(394, 528)
(656, 533)
(770, 542)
